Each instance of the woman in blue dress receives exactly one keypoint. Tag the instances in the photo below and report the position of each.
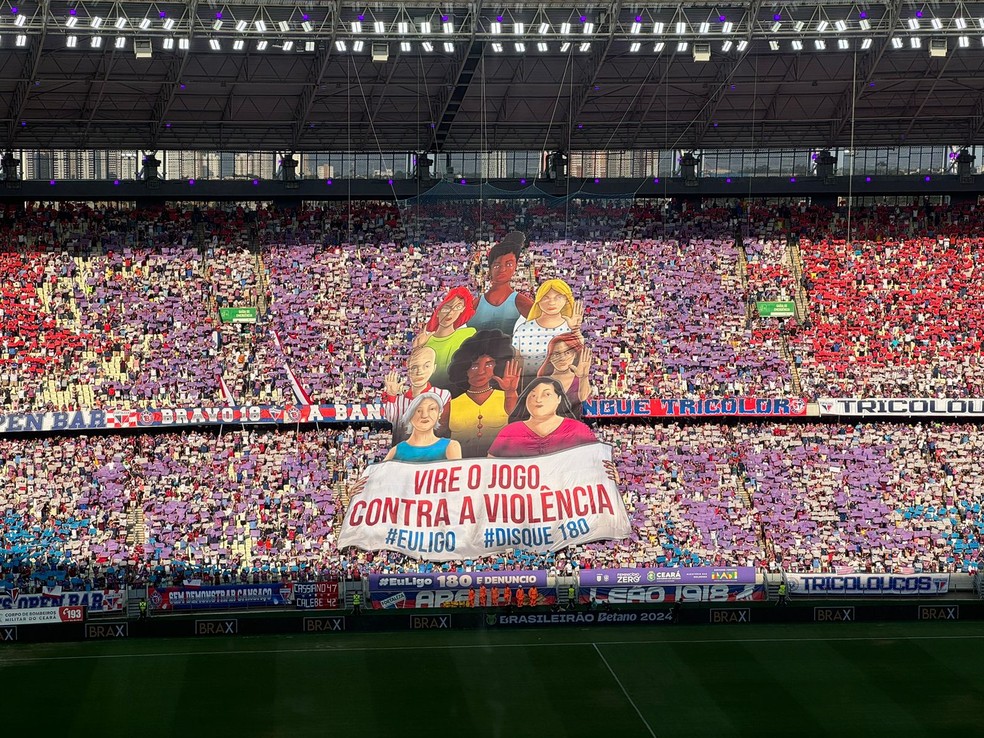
(421, 420)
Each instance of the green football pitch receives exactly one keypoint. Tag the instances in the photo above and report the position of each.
(847, 679)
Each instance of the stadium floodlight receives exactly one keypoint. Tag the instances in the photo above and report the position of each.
(495, 28)
(728, 27)
(585, 46)
(519, 28)
(865, 24)
(71, 21)
(915, 42)
(913, 24)
(704, 28)
(544, 29)
(797, 45)
(774, 45)
(21, 19)
(681, 27)
(743, 44)
(120, 42)
(658, 47)
(449, 47)
(183, 44)
(340, 45)
(448, 27)
(403, 28)
(822, 26)
(726, 46)
(799, 26)
(425, 27)
(820, 44)
(310, 45)
(405, 46)
(217, 25)
(565, 28)
(658, 27)
(96, 42)
(429, 47)
(963, 42)
(960, 22)
(144, 24)
(519, 46)
(588, 28)
(379, 26)
(356, 45)
(214, 44)
(21, 40)
(169, 24)
(307, 27)
(241, 26)
(542, 47)
(95, 21)
(635, 46)
(284, 27)
(980, 23)
(776, 26)
(636, 27)
(843, 44)
(238, 45)
(356, 27)
(840, 25)
(937, 24)
(897, 43)
(260, 26)
(565, 47)
(682, 46)
(866, 44)
(497, 47)
(169, 43)
(71, 41)
(261, 45)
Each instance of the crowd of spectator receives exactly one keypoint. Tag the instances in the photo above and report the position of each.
(801, 497)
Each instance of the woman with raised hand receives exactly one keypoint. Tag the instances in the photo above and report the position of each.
(542, 423)
(569, 362)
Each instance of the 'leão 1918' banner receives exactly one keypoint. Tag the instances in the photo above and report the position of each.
(446, 510)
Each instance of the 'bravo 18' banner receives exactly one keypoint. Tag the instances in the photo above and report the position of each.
(222, 597)
(679, 408)
(866, 585)
(902, 406)
(97, 600)
(463, 509)
(667, 575)
(316, 595)
(677, 593)
(393, 591)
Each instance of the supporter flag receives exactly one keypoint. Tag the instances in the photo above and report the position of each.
(216, 340)
(52, 593)
(843, 570)
(227, 397)
(300, 394)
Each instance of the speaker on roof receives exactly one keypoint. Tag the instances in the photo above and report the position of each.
(143, 48)
(937, 47)
(380, 52)
(702, 52)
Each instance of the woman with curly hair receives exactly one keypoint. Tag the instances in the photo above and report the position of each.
(484, 377)
(501, 306)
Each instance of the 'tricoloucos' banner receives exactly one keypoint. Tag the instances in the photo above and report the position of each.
(446, 510)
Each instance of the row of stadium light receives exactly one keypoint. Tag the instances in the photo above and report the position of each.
(640, 26)
(521, 47)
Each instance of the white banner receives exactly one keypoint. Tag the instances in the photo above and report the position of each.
(41, 615)
(865, 585)
(446, 510)
(901, 406)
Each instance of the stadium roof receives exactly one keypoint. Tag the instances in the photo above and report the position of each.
(279, 76)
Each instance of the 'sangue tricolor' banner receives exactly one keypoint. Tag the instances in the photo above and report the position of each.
(221, 597)
(682, 408)
(866, 585)
(902, 406)
(446, 510)
(666, 575)
(396, 591)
